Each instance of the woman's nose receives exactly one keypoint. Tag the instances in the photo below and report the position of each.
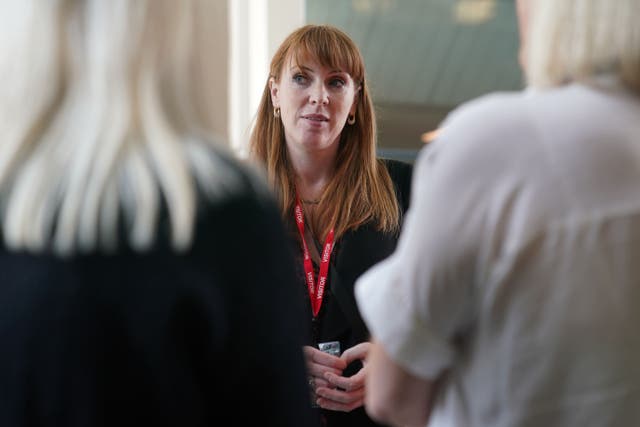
(319, 95)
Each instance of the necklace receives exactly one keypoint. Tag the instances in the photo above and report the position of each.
(311, 202)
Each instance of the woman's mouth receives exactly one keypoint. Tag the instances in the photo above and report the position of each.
(316, 117)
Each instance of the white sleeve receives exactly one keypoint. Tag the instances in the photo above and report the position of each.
(417, 301)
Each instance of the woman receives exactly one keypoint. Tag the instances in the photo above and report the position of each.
(512, 299)
(124, 295)
(315, 134)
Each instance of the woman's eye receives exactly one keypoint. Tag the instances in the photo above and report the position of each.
(299, 78)
(337, 83)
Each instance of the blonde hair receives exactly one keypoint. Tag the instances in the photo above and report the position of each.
(361, 189)
(104, 110)
(574, 40)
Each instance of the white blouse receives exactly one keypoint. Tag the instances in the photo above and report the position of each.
(518, 268)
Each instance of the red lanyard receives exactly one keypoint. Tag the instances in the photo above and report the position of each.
(315, 294)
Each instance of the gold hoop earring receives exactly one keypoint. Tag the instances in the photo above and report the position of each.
(352, 119)
(276, 112)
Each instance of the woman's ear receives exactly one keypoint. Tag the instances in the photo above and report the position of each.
(273, 89)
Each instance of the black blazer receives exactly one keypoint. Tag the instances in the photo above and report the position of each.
(159, 339)
(339, 319)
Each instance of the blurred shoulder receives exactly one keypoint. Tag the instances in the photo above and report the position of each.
(493, 124)
(489, 113)
(487, 138)
(234, 203)
(232, 194)
(221, 175)
(506, 113)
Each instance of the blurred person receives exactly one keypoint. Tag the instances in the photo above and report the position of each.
(512, 298)
(315, 136)
(126, 232)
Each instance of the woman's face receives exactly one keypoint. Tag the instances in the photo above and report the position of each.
(315, 102)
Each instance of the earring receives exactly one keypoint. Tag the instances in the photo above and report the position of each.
(352, 119)
(276, 112)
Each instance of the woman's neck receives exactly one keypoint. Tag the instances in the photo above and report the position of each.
(314, 171)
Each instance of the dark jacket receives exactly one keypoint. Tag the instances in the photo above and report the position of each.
(159, 339)
(339, 319)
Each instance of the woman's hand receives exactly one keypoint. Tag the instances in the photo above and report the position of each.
(319, 364)
(345, 393)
